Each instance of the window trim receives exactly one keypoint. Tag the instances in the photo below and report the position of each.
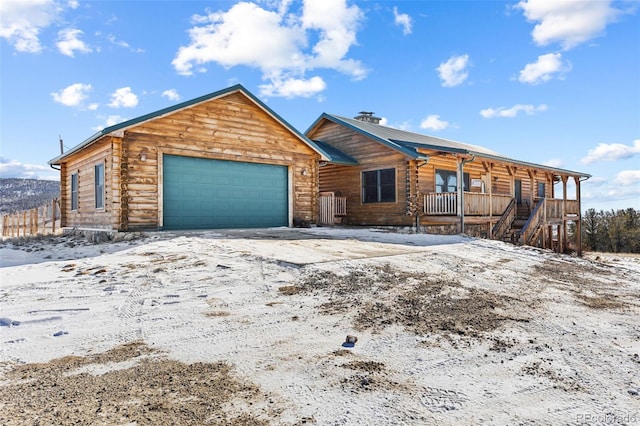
(75, 206)
(97, 187)
(379, 186)
(543, 186)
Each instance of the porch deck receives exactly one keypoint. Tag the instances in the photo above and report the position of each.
(477, 204)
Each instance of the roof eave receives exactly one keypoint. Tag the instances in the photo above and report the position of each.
(408, 152)
(534, 165)
(171, 109)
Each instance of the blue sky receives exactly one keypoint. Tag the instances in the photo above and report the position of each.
(551, 82)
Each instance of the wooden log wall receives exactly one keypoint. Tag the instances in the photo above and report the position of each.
(347, 180)
(231, 128)
(83, 163)
(497, 178)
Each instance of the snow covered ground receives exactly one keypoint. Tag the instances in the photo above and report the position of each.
(249, 327)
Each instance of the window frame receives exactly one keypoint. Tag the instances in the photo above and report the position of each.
(446, 174)
(98, 187)
(543, 186)
(75, 179)
(381, 195)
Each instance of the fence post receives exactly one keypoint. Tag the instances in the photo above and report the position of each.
(53, 216)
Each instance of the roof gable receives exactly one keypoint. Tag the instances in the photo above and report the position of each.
(238, 88)
(408, 142)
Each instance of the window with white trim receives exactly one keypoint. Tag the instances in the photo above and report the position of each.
(74, 191)
(99, 185)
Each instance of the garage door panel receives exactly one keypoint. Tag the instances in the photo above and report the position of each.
(205, 194)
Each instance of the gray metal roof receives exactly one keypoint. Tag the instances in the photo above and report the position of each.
(169, 110)
(409, 142)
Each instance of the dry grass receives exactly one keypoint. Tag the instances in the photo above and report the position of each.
(154, 390)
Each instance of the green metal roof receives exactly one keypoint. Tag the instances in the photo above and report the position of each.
(169, 110)
(335, 155)
(408, 143)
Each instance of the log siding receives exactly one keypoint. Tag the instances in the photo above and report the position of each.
(232, 127)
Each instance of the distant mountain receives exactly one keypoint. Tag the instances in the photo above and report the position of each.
(24, 194)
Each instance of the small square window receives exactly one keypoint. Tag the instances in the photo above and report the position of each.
(379, 186)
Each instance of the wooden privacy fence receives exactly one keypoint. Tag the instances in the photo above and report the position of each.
(40, 220)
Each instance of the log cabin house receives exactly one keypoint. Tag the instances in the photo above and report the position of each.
(391, 177)
(223, 160)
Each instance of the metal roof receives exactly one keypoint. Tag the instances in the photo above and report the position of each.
(409, 143)
(169, 110)
(335, 155)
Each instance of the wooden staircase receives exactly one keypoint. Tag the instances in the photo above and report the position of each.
(522, 213)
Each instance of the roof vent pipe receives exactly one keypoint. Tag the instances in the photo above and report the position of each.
(367, 117)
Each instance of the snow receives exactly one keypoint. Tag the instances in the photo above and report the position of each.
(217, 295)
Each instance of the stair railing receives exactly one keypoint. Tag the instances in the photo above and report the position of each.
(533, 223)
(505, 221)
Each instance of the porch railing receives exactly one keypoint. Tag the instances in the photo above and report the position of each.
(445, 203)
(506, 219)
(535, 220)
(331, 207)
(475, 204)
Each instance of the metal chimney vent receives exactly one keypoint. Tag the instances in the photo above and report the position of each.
(367, 117)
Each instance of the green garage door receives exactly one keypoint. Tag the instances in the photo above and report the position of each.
(204, 194)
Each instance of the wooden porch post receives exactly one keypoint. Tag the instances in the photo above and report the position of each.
(53, 216)
(565, 244)
(579, 222)
(460, 187)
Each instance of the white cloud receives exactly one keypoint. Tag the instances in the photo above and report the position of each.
(120, 43)
(554, 162)
(597, 181)
(454, 72)
(628, 177)
(433, 122)
(544, 68)
(110, 120)
(611, 152)
(319, 35)
(69, 42)
(293, 87)
(403, 20)
(172, 94)
(22, 20)
(513, 111)
(15, 169)
(624, 188)
(72, 95)
(568, 22)
(123, 98)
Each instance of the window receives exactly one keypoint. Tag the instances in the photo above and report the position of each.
(447, 181)
(541, 189)
(379, 186)
(99, 186)
(74, 191)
